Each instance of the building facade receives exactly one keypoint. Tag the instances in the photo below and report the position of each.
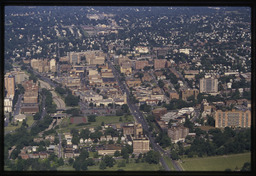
(9, 84)
(140, 146)
(233, 118)
(178, 133)
(208, 85)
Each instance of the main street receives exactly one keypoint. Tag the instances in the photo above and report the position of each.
(140, 118)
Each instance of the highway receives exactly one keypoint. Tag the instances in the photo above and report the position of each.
(140, 118)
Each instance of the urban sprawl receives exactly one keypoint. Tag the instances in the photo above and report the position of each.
(130, 88)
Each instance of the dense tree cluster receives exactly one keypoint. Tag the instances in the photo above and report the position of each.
(227, 142)
(50, 107)
(71, 100)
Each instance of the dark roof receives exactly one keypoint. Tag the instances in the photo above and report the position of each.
(108, 79)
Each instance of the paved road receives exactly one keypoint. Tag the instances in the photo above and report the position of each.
(138, 116)
(59, 102)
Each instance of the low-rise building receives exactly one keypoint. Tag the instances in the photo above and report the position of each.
(109, 149)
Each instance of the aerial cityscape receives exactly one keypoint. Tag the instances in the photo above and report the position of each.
(127, 88)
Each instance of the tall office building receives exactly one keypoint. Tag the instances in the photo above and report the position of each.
(9, 84)
(233, 119)
(208, 85)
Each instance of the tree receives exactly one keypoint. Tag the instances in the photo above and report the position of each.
(90, 162)
(71, 100)
(160, 83)
(117, 153)
(102, 165)
(210, 121)
(92, 118)
(124, 153)
(70, 161)
(246, 167)
(36, 116)
(110, 162)
(60, 162)
(119, 112)
(152, 157)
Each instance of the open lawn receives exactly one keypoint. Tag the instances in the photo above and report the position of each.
(30, 120)
(65, 168)
(216, 163)
(66, 125)
(129, 167)
(12, 127)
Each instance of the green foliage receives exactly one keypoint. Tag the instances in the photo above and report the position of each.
(246, 167)
(145, 108)
(152, 157)
(163, 140)
(92, 118)
(71, 100)
(160, 83)
(60, 90)
(117, 153)
(36, 116)
(119, 112)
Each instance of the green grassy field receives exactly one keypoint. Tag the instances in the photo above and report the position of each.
(99, 119)
(30, 120)
(12, 127)
(216, 163)
(129, 167)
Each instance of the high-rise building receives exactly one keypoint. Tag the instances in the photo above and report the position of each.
(9, 84)
(208, 85)
(233, 118)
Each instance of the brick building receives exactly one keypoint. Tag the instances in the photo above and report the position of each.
(159, 112)
(159, 63)
(141, 64)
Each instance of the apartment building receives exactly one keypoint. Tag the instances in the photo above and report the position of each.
(234, 118)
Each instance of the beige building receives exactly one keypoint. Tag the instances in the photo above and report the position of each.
(53, 65)
(140, 146)
(126, 68)
(9, 84)
(208, 85)
(178, 133)
(7, 105)
(189, 92)
(109, 149)
(233, 118)
(20, 77)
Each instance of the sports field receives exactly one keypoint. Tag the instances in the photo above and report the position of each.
(216, 163)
